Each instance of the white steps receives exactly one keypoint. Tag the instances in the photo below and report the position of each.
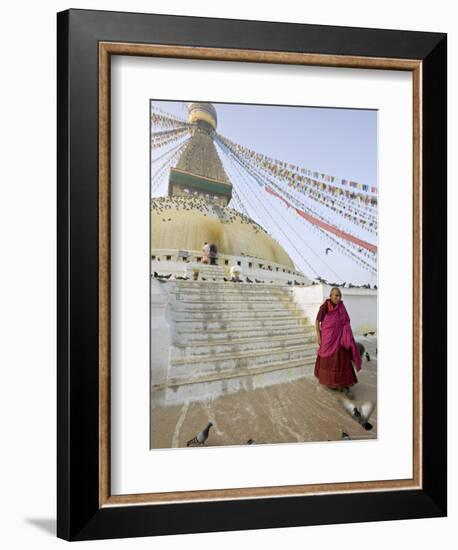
(209, 324)
(224, 335)
(241, 345)
(229, 336)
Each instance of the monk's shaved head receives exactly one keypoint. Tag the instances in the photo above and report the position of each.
(335, 295)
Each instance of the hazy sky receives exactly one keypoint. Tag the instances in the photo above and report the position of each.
(338, 142)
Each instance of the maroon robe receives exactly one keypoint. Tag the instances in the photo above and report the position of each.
(337, 369)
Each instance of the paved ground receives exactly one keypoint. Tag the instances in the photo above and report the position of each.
(297, 411)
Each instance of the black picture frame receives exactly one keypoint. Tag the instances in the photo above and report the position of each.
(79, 514)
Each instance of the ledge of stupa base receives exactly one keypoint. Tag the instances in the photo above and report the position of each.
(171, 261)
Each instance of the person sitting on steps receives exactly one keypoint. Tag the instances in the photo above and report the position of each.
(205, 252)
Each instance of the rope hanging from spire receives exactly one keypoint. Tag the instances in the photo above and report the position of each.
(345, 246)
(314, 219)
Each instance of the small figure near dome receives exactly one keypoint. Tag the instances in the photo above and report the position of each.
(213, 254)
(206, 253)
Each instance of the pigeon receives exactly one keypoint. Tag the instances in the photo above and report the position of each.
(156, 274)
(360, 414)
(371, 333)
(257, 280)
(203, 278)
(368, 357)
(296, 283)
(227, 280)
(181, 278)
(289, 282)
(201, 437)
(248, 280)
(365, 412)
(251, 442)
(361, 348)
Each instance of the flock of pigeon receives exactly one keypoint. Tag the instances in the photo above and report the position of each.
(319, 280)
(159, 205)
(164, 278)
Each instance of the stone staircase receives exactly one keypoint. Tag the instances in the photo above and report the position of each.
(227, 337)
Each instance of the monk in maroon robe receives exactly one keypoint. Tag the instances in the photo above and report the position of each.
(337, 346)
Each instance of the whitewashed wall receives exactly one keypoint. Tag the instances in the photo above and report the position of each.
(361, 304)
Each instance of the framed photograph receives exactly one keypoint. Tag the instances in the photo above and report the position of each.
(251, 275)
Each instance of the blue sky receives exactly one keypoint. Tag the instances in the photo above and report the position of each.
(338, 142)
